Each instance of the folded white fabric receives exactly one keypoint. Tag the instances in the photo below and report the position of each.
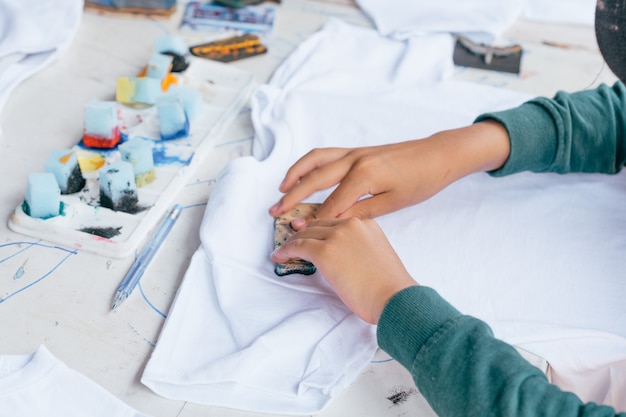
(580, 12)
(238, 335)
(241, 337)
(592, 365)
(38, 384)
(482, 20)
(32, 34)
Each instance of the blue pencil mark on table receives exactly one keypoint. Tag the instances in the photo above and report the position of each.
(25, 278)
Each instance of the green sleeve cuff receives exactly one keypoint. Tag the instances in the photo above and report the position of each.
(528, 127)
(409, 319)
(573, 132)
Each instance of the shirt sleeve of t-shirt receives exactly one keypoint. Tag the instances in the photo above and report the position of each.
(462, 369)
(572, 132)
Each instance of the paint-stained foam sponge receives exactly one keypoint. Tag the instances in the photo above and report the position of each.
(64, 165)
(159, 66)
(90, 161)
(173, 120)
(139, 153)
(175, 47)
(171, 43)
(43, 196)
(118, 190)
(191, 99)
(138, 91)
(101, 125)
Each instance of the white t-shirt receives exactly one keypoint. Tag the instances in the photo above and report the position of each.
(539, 257)
(38, 384)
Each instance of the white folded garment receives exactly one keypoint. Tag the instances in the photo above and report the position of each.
(240, 338)
(32, 34)
(528, 248)
(482, 20)
(593, 364)
(38, 384)
(579, 12)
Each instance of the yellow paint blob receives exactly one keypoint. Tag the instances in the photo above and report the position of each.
(89, 161)
(125, 90)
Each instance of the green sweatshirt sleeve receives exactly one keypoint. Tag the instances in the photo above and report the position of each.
(462, 369)
(573, 132)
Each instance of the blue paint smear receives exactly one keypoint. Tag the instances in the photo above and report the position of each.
(183, 132)
(161, 153)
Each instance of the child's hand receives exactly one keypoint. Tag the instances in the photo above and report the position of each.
(377, 180)
(356, 259)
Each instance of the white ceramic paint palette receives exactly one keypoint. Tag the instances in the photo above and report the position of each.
(84, 224)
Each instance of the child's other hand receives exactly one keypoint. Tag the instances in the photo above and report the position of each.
(378, 180)
(356, 259)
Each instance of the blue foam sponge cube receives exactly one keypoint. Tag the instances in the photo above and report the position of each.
(101, 119)
(101, 125)
(191, 99)
(138, 152)
(173, 120)
(118, 190)
(64, 165)
(170, 43)
(159, 66)
(134, 91)
(43, 196)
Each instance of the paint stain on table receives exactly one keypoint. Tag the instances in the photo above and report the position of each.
(105, 232)
(400, 395)
(20, 271)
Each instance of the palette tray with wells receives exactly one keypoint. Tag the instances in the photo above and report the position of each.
(86, 225)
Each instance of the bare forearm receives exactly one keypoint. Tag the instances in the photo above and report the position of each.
(483, 146)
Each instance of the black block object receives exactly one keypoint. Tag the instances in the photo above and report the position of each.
(470, 54)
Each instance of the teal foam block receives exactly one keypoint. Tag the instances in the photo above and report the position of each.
(43, 196)
(118, 190)
(64, 165)
(191, 99)
(173, 120)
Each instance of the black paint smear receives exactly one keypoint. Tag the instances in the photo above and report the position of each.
(400, 396)
(179, 62)
(75, 182)
(105, 232)
(127, 202)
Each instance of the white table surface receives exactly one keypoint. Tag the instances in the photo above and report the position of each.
(67, 307)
